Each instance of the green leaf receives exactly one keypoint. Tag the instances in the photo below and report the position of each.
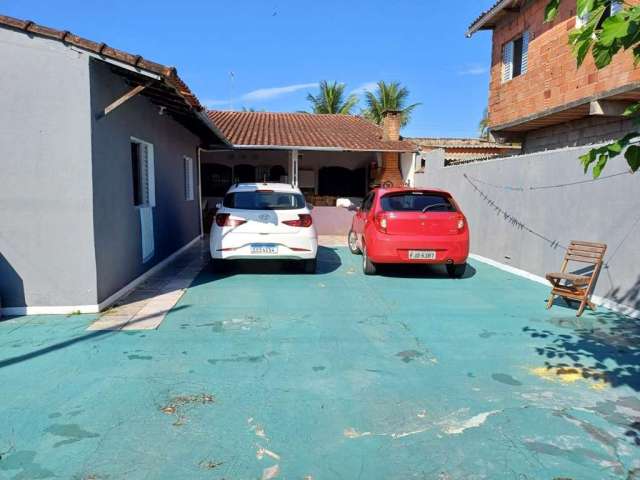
(613, 28)
(598, 167)
(551, 11)
(587, 159)
(632, 109)
(633, 157)
(602, 55)
(583, 7)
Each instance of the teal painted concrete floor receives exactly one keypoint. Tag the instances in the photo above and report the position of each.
(258, 374)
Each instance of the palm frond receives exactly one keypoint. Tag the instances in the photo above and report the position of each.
(331, 99)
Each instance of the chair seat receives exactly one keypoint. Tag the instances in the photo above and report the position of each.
(577, 280)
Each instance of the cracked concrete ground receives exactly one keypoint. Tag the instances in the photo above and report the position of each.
(261, 373)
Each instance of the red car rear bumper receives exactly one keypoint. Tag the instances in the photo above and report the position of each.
(383, 248)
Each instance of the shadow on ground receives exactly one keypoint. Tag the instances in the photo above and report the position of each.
(420, 271)
(600, 346)
(328, 261)
(96, 334)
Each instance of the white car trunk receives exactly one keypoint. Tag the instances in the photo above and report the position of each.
(264, 222)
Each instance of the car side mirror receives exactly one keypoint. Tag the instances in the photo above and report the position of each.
(309, 206)
(219, 205)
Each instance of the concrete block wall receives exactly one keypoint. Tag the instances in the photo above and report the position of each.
(586, 131)
(524, 210)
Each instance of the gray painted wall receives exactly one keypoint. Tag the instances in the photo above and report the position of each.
(514, 220)
(117, 221)
(46, 212)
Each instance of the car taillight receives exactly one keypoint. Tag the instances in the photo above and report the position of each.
(225, 220)
(460, 223)
(304, 220)
(381, 222)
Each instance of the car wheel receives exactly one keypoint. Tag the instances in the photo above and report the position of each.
(352, 240)
(309, 266)
(368, 267)
(456, 271)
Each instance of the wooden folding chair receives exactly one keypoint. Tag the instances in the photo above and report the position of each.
(574, 286)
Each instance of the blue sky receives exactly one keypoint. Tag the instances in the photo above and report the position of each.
(279, 49)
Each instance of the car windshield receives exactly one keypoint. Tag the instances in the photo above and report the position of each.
(264, 200)
(416, 202)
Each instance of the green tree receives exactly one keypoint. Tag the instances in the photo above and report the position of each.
(604, 39)
(483, 125)
(331, 99)
(388, 96)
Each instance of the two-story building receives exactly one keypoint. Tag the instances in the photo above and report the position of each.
(538, 94)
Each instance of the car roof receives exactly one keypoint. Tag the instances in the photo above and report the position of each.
(252, 187)
(410, 189)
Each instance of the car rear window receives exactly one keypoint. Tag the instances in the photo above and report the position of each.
(263, 200)
(416, 202)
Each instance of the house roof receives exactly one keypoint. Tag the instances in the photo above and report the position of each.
(489, 18)
(162, 83)
(304, 131)
(465, 143)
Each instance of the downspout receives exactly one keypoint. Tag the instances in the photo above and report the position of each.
(200, 212)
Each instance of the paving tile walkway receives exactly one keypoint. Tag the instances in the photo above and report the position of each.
(147, 305)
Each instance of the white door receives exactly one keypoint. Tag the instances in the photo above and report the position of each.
(147, 203)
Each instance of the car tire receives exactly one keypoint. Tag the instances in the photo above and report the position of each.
(368, 267)
(456, 271)
(352, 241)
(309, 266)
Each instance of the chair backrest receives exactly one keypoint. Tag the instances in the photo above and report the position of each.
(586, 252)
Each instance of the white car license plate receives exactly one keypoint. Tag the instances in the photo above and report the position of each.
(422, 255)
(264, 249)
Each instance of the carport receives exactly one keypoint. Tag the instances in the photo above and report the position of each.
(327, 156)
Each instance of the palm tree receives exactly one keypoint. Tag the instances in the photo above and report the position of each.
(331, 99)
(483, 125)
(388, 96)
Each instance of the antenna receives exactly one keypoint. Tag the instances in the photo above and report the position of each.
(232, 78)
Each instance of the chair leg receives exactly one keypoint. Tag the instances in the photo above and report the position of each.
(550, 300)
(583, 304)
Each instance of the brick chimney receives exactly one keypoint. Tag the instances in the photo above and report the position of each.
(391, 125)
(389, 172)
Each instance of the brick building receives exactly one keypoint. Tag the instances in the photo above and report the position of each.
(538, 95)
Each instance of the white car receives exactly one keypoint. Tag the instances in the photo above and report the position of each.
(264, 221)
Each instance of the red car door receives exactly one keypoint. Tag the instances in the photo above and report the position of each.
(360, 218)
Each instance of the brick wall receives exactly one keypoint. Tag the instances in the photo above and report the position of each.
(390, 170)
(552, 79)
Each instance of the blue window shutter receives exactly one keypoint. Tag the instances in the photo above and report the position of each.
(507, 62)
(525, 52)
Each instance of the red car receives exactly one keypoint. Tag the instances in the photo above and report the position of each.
(408, 225)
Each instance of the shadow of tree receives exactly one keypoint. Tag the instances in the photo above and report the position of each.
(631, 297)
(602, 346)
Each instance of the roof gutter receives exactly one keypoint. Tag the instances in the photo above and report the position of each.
(478, 24)
(316, 149)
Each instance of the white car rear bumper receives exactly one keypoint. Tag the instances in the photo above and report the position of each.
(228, 245)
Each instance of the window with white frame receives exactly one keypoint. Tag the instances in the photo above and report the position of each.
(515, 57)
(142, 171)
(188, 178)
(612, 8)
